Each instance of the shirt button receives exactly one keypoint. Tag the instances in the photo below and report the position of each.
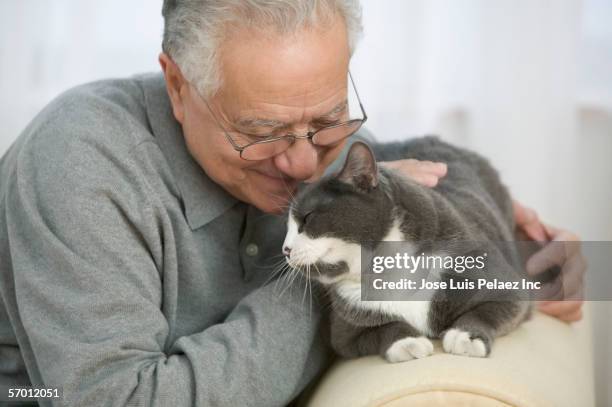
(252, 249)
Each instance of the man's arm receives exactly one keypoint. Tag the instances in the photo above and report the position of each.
(88, 294)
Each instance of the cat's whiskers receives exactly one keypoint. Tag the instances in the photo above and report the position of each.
(283, 204)
(292, 274)
(306, 283)
(281, 208)
(310, 293)
(281, 273)
(300, 269)
(278, 269)
(317, 268)
(291, 195)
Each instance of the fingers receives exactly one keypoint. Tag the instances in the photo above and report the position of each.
(436, 168)
(527, 220)
(426, 173)
(569, 311)
(559, 290)
(552, 254)
(561, 235)
(551, 291)
(413, 166)
(556, 253)
(573, 317)
(568, 285)
(573, 278)
(565, 250)
(428, 180)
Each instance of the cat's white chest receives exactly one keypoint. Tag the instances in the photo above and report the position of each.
(416, 313)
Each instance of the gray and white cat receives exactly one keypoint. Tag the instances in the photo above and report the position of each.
(330, 219)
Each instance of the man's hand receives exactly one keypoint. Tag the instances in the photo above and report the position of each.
(563, 250)
(426, 173)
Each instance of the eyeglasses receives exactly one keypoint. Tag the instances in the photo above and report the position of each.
(269, 146)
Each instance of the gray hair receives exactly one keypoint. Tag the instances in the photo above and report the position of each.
(194, 29)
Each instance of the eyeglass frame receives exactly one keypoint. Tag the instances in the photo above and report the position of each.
(309, 135)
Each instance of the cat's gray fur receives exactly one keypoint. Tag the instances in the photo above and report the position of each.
(360, 204)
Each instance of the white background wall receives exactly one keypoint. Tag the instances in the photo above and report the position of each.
(526, 82)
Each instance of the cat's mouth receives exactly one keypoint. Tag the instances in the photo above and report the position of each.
(306, 258)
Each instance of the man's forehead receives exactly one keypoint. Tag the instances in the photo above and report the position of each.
(275, 79)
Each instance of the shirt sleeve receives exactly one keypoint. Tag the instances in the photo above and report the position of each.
(84, 248)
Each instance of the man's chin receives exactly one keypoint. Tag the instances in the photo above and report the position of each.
(271, 198)
(273, 205)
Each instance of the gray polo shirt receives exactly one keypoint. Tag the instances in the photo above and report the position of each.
(128, 277)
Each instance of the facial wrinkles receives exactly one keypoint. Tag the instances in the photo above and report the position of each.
(238, 175)
(300, 108)
(263, 110)
(287, 102)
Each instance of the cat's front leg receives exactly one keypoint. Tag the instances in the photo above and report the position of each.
(396, 341)
(400, 342)
(473, 333)
(467, 341)
(408, 348)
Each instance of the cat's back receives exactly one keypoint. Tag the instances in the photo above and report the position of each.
(431, 148)
(423, 148)
(471, 181)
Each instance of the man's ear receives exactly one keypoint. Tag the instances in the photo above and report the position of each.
(175, 83)
(360, 168)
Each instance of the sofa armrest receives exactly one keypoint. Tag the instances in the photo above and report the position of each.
(545, 362)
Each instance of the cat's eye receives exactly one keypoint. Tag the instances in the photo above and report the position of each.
(308, 215)
(304, 221)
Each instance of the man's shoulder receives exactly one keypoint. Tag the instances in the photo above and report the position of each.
(111, 114)
(86, 134)
(111, 110)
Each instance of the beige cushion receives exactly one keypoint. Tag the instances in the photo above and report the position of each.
(544, 362)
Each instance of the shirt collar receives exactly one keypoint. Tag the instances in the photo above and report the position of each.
(204, 199)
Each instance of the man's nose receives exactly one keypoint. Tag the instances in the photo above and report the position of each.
(300, 161)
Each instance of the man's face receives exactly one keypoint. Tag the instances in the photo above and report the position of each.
(271, 85)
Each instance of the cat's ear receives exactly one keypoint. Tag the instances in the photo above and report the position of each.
(360, 168)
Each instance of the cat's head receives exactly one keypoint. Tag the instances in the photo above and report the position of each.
(330, 218)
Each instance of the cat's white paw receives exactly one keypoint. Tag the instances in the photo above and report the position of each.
(458, 342)
(408, 349)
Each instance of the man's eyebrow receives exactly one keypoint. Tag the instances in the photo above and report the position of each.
(339, 108)
(253, 122)
(259, 122)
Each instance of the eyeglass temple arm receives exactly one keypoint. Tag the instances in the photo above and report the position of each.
(227, 136)
(365, 116)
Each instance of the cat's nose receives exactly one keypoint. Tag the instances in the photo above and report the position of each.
(287, 251)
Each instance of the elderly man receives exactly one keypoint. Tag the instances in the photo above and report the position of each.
(135, 235)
